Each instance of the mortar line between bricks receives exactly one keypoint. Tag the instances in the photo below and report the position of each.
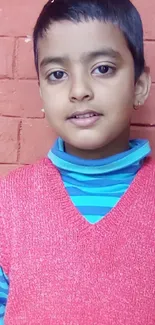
(143, 125)
(5, 78)
(13, 36)
(149, 40)
(14, 63)
(13, 164)
(27, 79)
(23, 118)
(19, 139)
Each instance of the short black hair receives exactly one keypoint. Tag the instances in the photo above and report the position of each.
(119, 12)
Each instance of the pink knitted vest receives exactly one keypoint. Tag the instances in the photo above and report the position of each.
(65, 271)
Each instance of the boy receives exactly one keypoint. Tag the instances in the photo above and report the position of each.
(77, 229)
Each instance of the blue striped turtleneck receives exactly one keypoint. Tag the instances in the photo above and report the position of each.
(96, 186)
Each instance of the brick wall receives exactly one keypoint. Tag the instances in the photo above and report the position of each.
(24, 133)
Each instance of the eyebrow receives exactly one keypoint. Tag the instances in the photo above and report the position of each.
(108, 52)
(104, 52)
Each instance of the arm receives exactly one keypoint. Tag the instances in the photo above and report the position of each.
(4, 290)
(4, 250)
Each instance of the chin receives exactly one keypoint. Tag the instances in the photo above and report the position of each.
(88, 145)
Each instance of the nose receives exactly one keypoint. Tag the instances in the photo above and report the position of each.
(80, 91)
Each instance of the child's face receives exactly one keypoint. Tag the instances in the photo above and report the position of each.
(95, 77)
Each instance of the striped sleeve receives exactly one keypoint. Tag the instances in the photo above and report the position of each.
(4, 290)
(4, 248)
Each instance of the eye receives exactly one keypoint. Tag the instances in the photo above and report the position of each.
(57, 75)
(104, 70)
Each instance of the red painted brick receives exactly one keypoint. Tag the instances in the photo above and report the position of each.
(9, 129)
(147, 12)
(145, 133)
(22, 16)
(6, 57)
(36, 139)
(17, 17)
(20, 98)
(25, 60)
(149, 57)
(146, 114)
(5, 169)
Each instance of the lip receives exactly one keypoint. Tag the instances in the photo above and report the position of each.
(84, 112)
(85, 118)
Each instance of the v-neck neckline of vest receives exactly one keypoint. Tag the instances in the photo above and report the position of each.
(112, 220)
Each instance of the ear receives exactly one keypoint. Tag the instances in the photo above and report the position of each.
(142, 88)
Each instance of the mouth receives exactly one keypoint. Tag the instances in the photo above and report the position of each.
(84, 119)
(84, 115)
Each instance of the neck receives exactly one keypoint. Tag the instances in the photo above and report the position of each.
(117, 146)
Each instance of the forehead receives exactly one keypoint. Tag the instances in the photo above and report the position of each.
(72, 40)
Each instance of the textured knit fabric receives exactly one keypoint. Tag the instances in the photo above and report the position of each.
(96, 186)
(95, 189)
(90, 189)
(62, 269)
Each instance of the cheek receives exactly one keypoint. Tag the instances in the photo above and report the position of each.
(118, 96)
(52, 102)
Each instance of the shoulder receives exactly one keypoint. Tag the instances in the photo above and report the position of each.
(149, 166)
(146, 177)
(27, 178)
(43, 166)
